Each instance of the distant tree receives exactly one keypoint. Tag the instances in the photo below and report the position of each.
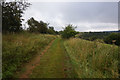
(35, 26)
(69, 31)
(60, 32)
(51, 30)
(57, 32)
(113, 38)
(12, 15)
(42, 28)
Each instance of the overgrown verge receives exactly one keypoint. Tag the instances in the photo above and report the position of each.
(19, 49)
(93, 60)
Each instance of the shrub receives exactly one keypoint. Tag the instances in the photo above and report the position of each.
(93, 38)
(68, 32)
(113, 38)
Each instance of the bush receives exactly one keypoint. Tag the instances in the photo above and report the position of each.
(99, 40)
(68, 32)
(113, 38)
(93, 38)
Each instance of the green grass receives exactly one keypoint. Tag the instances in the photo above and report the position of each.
(54, 63)
(72, 58)
(20, 48)
(92, 59)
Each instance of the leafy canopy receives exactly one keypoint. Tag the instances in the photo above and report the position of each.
(12, 15)
(35, 26)
(69, 31)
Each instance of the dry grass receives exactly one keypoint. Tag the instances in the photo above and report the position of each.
(93, 59)
(20, 48)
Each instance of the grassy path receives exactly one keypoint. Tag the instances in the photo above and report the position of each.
(27, 70)
(54, 63)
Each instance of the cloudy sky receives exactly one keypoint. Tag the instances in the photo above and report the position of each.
(87, 16)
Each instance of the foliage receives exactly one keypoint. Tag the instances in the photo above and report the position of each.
(51, 30)
(60, 32)
(42, 27)
(93, 35)
(69, 31)
(35, 26)
(20, 48)
(12, 15)
(92, 59)
(113, 38)
(99, 40)
(107, 37)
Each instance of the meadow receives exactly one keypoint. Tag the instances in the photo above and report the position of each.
(68, 58)
(52, 48)
(18, 49)
(92, 59)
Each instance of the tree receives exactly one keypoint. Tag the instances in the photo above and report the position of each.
(42, 28)
(35, 26)
(113, 38)
(51, 30)
(12, 15)
(69, 31)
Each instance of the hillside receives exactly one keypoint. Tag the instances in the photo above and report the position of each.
(93, 59)
(48, 56)
(59, 40)
(18, 49)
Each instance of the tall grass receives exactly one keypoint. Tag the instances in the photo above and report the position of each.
(19, 48)
(92, 59)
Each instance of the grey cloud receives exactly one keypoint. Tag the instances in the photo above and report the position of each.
(60, 14)
(91, 12)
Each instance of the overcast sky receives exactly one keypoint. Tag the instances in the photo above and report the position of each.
(87, 16)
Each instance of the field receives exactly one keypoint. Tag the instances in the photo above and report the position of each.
(49, 56)
(20, 48)
(93, 59)
(59, 40)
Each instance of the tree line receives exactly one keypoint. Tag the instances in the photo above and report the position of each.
(40, 27)
(12, 13)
